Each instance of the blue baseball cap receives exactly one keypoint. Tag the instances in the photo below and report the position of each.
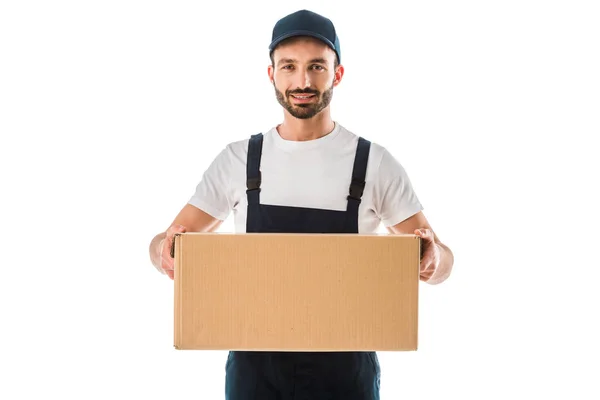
(306, 23)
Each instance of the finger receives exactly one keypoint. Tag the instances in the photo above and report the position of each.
(426, 252)
(171, 232)
(166, 251)
(170, 239)
(427, 270)
(427, 257)
(424, 233)
(424, 267)
(167, 262)
(176, 229)
(428, 262)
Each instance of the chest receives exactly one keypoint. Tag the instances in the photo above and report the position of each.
(310, 179)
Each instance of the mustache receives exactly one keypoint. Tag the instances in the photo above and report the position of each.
(305, 91)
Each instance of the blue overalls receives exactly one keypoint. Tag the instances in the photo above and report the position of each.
(260, 375)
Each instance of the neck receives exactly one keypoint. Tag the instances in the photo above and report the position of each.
(300, 130)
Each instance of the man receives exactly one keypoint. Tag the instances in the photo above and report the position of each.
(306, 175)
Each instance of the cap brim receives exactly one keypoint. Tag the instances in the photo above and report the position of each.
(288, 35)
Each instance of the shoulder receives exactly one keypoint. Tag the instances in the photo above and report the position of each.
(239, 148)
(383, 166)
(377, 152)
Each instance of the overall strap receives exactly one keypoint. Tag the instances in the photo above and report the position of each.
(253, 176)
(357, 185)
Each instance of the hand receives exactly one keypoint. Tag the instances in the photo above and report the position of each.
(430, 261)
(166, 262)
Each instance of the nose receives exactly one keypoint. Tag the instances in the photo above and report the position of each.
(302, 80)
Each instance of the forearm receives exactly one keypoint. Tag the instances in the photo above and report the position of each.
(445, 266)
(154, 249)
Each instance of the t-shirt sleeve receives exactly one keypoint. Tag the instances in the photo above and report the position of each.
(396, 198)
(212, 193)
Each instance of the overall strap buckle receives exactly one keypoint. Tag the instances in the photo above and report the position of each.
(253, 183)
(357, 189)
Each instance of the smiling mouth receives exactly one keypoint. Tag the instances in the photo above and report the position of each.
(303, 97)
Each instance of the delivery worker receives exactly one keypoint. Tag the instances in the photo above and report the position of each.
(308, 174)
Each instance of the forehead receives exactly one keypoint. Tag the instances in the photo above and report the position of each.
(303, 48)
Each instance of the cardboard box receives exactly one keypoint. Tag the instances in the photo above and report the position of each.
(296, 292)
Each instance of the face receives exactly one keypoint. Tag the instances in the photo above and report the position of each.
(304, 76)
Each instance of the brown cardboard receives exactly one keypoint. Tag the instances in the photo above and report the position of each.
(296, 292)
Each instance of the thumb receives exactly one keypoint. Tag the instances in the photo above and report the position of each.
(178, 229)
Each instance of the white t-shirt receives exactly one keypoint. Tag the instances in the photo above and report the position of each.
(314, 173)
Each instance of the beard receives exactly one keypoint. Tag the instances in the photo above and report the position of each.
(304, 111)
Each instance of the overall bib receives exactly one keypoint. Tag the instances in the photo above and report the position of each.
(260, 375)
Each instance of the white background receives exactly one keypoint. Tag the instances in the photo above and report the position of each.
(111, 110)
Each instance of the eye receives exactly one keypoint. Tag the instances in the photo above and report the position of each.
(318, 67)
(287, 67)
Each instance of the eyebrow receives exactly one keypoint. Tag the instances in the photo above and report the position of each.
(293, 61)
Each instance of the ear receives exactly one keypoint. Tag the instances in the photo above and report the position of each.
(339, 73)
(270, 71)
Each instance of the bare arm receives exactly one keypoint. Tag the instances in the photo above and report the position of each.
(438, 259)
(189, 219)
